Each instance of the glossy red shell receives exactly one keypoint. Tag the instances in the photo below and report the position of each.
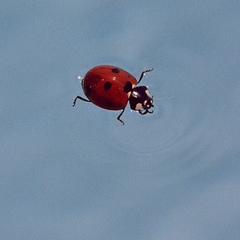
(108, 86)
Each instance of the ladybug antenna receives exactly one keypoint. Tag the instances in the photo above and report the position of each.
(118, 118)
(143, 73)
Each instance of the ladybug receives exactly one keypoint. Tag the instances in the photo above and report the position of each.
(111, 88)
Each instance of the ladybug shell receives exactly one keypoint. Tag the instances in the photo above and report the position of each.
(108, 87)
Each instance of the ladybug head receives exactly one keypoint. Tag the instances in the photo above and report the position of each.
(141, 100)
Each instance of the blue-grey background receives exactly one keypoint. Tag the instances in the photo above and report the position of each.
(77, 173)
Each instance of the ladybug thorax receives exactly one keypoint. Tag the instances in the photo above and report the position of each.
(140, 99)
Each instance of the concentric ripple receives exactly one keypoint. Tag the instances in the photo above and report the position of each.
(172, 122)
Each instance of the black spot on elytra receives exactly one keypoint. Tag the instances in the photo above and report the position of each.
(115, 70)
(107, 86)
(128, 87)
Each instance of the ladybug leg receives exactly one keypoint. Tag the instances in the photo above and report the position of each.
(150, 111)
(143, 73)
(78, 97)
(118, 118)
(144, 112)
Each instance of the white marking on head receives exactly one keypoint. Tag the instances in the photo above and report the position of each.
(148, 93)
(139, 106)
(147, 103)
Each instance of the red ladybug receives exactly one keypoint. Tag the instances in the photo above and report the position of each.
(111, 88)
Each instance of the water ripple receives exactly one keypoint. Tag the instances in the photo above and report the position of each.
(172, 122)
